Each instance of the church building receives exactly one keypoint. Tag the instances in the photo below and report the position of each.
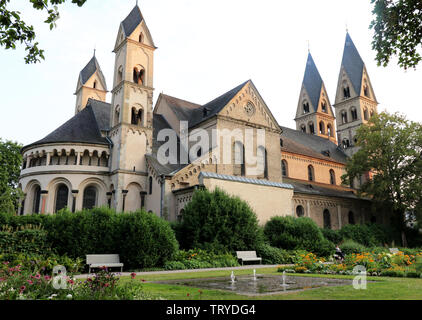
(107, 154)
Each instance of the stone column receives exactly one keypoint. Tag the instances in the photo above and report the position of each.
(124, 192)
(48, 159)
(28, 160)
(74, 195)
(339, 216)
(78, 158)
(44, 195)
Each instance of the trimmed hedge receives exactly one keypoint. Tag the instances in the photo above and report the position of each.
(216, 221)
(291, 233)
(142, 239)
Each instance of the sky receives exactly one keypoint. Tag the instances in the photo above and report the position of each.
(205, 48)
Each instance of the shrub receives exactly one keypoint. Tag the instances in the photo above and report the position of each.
(200, 259)
(141, 239)
(350, 246)
(297, 234)
(218, 222)
(273, 255)
(333, 236)
(370, 235)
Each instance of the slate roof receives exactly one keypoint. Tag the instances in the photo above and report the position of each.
(84, 127)
(353, 64)
(182, 108)
(261, 182)
(312, 82)
(89, 70)
(296, 141)
(132, 21)
(213, 107)
(320, 189)
(101, 112)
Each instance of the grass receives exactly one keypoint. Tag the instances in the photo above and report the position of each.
(383, 289)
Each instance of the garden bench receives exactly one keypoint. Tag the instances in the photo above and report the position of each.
(248, 256)
(394, 250)
(103, 260)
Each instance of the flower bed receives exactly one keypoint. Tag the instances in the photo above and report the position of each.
(376, 264)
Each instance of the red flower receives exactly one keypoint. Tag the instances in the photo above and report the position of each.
(133, 275)
(188, 294)
(30, 282)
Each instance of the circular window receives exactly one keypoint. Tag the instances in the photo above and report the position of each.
(250, 109)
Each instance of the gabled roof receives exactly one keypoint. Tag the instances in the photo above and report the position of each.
(84, 127)
(88, 71)
(296, 141)
(353, 64)
(183, 109)
(215, 106)
(312, 82)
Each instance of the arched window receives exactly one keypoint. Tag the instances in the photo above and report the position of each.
(332, 177)
(140, 117)
(329, 130)
(366, 89)
(138, 75)
(346, 143)
(327, 219)
(262, 161)
(239, 159)
(134, 117)
(90, 198)
(311, 176)
(351, 217)
(95, 85)
(324, 106)
(321, 127)
(365, 114)
(300, 211)
(37, 198)
(150, 185)
(284, 168)
(62, 195)
(303, 128)
(305, 107)
(141, 38)
(344, 116)
(311, 128)
(354, 113)
(346, 92)
(281, 143)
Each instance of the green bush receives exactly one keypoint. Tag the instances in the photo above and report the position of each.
(142, 239)
(200, 259)
(291, 233)
(216, 221)
(273, 255)
(350, 246)
(333, 236)
(370, 235)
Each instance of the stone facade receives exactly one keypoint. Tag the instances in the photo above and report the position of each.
(107, 154)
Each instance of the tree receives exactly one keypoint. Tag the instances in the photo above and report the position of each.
(217, 221)
(397, 29)
(390, 150)
(10, 167)
(14, 30)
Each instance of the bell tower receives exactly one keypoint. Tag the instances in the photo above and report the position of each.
(355, 98)
(131, 108)
(91, 85)
(314, 114)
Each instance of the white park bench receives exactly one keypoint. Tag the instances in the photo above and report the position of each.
(247, 256)
(394, 250)
(103, 260)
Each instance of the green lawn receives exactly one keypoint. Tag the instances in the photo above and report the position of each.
(383, 289)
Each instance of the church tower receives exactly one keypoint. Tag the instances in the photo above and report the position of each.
(131, 110)
(314, 114)
(91, 85)
(355, 98)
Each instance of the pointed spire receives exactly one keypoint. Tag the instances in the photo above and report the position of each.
(132, 20)
(312, 81)
(353, 63)
(87, 72)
